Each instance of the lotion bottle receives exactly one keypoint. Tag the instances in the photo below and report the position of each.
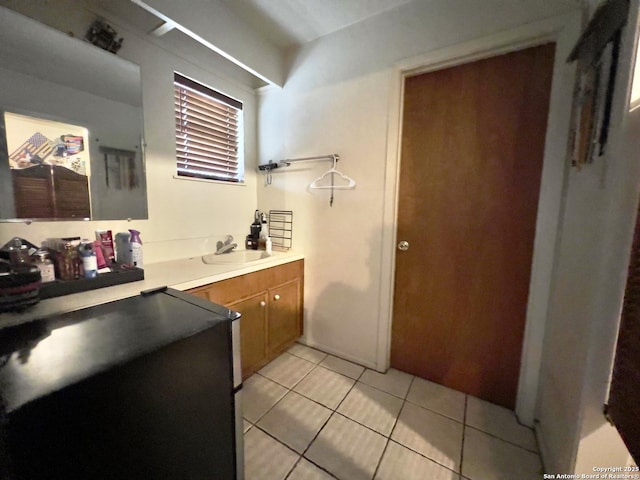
(136, 248)
(269, 246)
(89, 259)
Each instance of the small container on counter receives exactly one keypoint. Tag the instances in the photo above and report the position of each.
(136, 248)
(89, 259)
(67, 262)
(251, 243)
(45, 265)
(106, 241)
(19, 253)
(123, 248)
(269, 246)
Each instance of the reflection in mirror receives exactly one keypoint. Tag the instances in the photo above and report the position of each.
(70, 127)
(48, 168)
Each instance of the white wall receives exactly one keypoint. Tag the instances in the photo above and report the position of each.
(185, 217)
(591, 265)
(336, 100)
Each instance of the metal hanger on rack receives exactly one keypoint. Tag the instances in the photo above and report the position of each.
(317, 183)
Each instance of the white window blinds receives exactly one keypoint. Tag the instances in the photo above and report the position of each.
(208, 132)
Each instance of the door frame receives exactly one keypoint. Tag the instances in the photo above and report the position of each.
(564, 31)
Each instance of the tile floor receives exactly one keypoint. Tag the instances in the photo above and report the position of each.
(313, 416)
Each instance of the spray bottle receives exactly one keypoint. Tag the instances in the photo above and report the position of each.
(89, 259)
(136, 248)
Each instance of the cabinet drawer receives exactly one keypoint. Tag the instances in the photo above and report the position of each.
(250, 284)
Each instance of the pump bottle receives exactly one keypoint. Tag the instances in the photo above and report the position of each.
(136, 248)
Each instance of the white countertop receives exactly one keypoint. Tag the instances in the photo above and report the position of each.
(179, 274)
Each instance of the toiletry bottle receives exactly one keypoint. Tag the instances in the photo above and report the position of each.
(136, 248)
(123, 248)
(269, 246)
(45, 265)
(68, 262)
(89, 259)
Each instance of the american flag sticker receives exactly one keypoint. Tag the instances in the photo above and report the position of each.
(36, 144)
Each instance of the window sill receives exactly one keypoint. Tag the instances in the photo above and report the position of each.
(205, 180)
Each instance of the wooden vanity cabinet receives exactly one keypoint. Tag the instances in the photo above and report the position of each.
(270, 302)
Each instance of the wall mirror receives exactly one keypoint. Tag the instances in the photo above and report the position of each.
(71, 128)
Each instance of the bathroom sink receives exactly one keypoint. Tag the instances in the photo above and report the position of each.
(236, 257)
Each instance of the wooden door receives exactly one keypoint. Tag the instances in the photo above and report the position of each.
(284, 315)
(472, 152)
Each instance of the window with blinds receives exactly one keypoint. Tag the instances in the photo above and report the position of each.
(208, 132)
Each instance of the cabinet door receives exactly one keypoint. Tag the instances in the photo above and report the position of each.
(284, 315)
(253, 334)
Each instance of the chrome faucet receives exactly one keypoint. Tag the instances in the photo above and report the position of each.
(226, 246)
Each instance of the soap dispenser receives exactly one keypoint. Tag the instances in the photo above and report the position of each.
(136, 248)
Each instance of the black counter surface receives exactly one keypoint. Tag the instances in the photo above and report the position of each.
(55, 352)
(137, 388)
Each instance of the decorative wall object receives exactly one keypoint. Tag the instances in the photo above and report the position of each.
(104, 36)
(596, 54)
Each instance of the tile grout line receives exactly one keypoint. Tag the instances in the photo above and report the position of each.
(333, 411)
(409, 448)
(503, 440)
(386, 446)
(464, 431)
(280, 399)
(301, 455)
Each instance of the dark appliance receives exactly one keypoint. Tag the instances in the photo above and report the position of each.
(147, 387)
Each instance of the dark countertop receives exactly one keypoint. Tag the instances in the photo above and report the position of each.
(45, 356)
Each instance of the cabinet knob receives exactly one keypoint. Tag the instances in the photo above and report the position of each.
(276, 297)
(263, 303)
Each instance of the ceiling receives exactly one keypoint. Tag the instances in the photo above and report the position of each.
(283, 24)
(289, 23)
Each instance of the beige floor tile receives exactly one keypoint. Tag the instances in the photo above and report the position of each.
(371, 407)
(342, 366)
(295, 421)
(265, 458)
(259, 394)
(394, 381)
(500, 422)
(305, 470)
(325, 387)
(400, 463)
(310, 354)
(437, 398)
(287, 369)
(489, 458)
(346, 449)
(430, 434)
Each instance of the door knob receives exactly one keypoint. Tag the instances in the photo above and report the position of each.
(403, 245)
(263, 303)
(276, 297)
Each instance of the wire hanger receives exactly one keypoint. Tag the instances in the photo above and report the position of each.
(317, 183)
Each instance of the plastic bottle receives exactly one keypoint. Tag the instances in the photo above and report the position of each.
(89, 259)
(136, 248)
(123, 248)
(269, 246)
